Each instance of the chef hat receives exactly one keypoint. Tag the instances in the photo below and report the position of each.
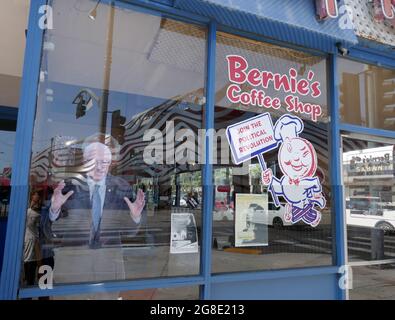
(287, 127)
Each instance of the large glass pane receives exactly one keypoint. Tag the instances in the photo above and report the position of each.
(367, 95)
(252, 229)
(369, 189)
(114, 175)
(13, 23)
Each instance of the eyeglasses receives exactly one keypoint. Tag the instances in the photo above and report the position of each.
(102, 163)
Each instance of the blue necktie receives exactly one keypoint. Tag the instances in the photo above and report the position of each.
(96, 214)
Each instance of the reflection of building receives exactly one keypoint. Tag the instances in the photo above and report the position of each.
(63, 151)
(365, 165)
(378, 109)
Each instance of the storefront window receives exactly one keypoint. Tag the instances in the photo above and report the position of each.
(366, 95)
(272, 205)
(115, 182)
(369, 190)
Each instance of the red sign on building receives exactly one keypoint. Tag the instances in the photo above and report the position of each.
(326, 9)
(388, 7)
(384, 10)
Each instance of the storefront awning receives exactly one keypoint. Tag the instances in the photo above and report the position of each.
(291, 21)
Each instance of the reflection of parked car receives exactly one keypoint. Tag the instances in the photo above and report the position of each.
(276, 216)
(369, 212)
(256, 214)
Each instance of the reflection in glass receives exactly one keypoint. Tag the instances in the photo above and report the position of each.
(288, 245)
(116, 143)
(368, 173)
(367, 95)
(373, 282)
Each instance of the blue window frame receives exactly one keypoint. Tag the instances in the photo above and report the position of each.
(18, 201)
(369, 56)
(362, 55)
(9, 285)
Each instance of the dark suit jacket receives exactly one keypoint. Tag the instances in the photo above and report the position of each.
(116, 223)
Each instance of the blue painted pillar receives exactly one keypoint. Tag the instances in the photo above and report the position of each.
(336, 169)
(208, 187)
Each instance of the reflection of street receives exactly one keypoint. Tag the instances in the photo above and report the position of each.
(291, 239)
(373, 283)
(360, 244)
(125, 255)
(147, 253)
(301, 239)
(74, 231)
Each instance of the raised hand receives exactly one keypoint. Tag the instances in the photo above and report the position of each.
(58, 198)
(137, 206)
(267, 176)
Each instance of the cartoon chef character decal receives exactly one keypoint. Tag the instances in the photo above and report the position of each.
(298, 162)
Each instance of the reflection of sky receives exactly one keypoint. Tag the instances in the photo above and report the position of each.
(7, 141)
(57, 118)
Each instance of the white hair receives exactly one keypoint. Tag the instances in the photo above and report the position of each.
(92, 147)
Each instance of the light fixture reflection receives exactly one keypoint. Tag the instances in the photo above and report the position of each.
(93, 12)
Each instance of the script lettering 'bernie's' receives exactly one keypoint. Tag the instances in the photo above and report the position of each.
(239, 74)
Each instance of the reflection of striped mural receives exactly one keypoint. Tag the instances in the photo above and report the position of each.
(67, 161)
(183, 116)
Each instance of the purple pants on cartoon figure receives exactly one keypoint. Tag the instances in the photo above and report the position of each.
(308, 214)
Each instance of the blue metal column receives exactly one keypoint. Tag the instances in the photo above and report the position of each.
(208, 188)
(336, 169)
(21, 161)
